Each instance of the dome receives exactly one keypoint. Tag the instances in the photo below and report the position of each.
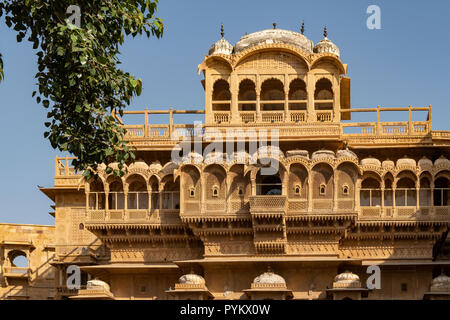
(216, 157)
(155, 166)
(269, 278)
(270, 36)
(425, 163)
(323, 154)
(370, 162)
(191, 278)
(138, 165)
(346, 153)
(326, 46)
(440, 283)
(388, 164)
(97, 284)
(347, 279)
(222, 46)
(298, 153)
(442, 161)
(406, 162)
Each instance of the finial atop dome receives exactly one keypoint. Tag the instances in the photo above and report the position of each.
(274, 25)
(326, 46)
(222, 46)
(302, 30)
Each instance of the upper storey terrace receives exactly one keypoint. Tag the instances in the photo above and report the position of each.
(279, 79)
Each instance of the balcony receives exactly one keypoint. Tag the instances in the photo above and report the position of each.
(65, 173)
(268, 205)
(16, 272)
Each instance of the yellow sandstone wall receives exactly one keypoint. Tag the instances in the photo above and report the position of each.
(36, 243)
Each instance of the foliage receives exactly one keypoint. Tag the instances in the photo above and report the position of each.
(78, 78)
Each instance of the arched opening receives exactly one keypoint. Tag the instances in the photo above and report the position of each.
(370, 194)
(221, 96)
(247, 96)
(405, 193)
(97, 195)
(323, 100)
(441, 192)
(137, 193)
(425, 192)
(18, 259)
(297, 95)
(170, 196)
(116, 198)
(268, 185)
(388, 192)
(154, 188)
(272, 95)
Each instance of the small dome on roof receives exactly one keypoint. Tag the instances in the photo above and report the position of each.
(388, 164)
(298, 153)
(346, 153)
(440, 283)
(269, 278)
(425, 163)
(442, 161)
(406, 162)
(270, 36)
(325, 45)
(96, 284)
(371, 162)
(222, 46)
(323, 154)
(191, 278)
(347, 279)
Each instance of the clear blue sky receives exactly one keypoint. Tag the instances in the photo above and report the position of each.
(405, 63)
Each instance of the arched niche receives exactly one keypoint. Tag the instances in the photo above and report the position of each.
(298, 182)
(191, 186)
(215, 179)
(322, 181)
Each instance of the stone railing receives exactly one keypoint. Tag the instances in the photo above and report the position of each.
(298, 116)
(324, 116)
(272, 116)
(405, 213)
(221, 117)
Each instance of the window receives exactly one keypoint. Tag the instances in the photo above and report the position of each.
(322, 189)
(215, 191)
(240, 191)
(345, 190)
(143, 289)
(404, 287)
(191, 192)
(81, 226)
(297, 190)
